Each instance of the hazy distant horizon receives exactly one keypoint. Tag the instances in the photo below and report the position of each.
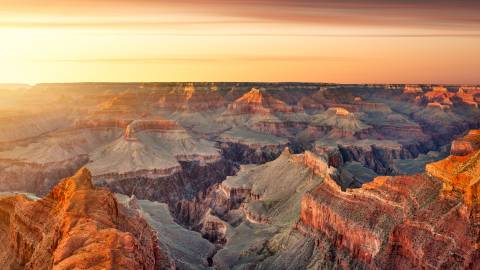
(253, 82)
(361, 41)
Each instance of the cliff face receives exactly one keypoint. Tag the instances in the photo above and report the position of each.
(76, 226)
(460, 173)
(184, 183)
(401, 222)
(467, 144)
(358, 220)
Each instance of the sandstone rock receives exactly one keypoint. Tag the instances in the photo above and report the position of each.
(76, 225)
(466, 145)
(399, 222)
(460, 174)
(258, 102)
(469, 95)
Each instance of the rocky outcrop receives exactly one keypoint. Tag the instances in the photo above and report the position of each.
(336, 123)
(460, 173)
(469, 95)
(169, 186)
(250, 154)
(284, 128)
(378, 155)
(153, 125)
(467, 144)
(76, 226)
(258, 102)
(400, 222)
(440, 95)
(315, 163)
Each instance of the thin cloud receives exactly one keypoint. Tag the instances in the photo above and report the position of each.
(313, 35)
(439, 14)
(227, 58)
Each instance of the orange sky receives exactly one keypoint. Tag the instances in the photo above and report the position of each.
(350, 41)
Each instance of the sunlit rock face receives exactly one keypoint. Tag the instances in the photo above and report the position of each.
(401, 222)
(470, 95)
(259, 102)
(361, 218)
(467, 144)
(76, 226)
(460, 172)
(259, 111)
(440, 94)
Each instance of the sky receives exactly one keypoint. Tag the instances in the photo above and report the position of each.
(349, 41)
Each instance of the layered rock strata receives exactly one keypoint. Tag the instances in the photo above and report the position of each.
(425, 221)
(76, 226)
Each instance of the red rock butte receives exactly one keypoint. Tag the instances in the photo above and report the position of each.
(258, 102)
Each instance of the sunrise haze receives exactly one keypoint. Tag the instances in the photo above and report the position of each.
(211, 40)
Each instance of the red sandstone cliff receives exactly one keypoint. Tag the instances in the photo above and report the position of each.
(75, 226)
(403, 222)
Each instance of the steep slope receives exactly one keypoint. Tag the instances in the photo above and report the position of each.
(402, 222)
(187, 248)
(243, 213)
(76, 226)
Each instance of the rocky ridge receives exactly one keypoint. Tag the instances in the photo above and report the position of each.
(76, 225)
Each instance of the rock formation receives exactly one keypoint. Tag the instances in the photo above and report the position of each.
(460, 172)
(258, 102)
(403, 222)
(76, 226)
(467, 144)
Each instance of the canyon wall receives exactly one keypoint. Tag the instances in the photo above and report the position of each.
(400, 222)
(76, 226)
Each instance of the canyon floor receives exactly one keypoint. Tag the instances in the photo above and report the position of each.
(239, 176)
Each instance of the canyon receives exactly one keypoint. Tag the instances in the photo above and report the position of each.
(240, 176)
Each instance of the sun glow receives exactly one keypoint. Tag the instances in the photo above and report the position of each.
(195, 43)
